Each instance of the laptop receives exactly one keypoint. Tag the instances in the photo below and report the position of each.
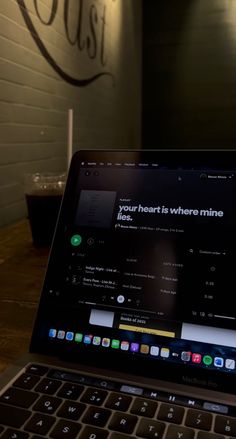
(135, 333)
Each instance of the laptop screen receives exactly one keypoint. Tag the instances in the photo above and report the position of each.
(143, 265)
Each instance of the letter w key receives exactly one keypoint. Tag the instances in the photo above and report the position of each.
(71, 410)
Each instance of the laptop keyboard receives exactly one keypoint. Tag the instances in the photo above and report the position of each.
(60, 404)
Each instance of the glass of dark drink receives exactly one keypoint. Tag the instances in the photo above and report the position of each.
(43, 192)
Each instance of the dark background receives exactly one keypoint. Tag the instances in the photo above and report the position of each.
(189, 74)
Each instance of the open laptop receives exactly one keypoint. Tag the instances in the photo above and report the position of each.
(135, 332)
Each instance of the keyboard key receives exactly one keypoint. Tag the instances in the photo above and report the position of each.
(206, 435)
(150, 429)
(225, 425)
(26, 381)
(13, 416)
(94, 433)
(123, 422)
(94, 396)
(71, 410)
(144, 407)
(14, 434)
(70, 391)
(21, 398)
(119, 402)
(37, 369)
(47, 404)
(171, 413)
(198, 419)
(96, 416)
(116, 435)
(40, 424)
(176, 432)
(48, 386)
(65, 429)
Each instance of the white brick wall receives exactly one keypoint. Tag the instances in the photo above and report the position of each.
(34, 99)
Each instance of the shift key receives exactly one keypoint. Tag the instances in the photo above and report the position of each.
(20, 398)
(13, 416)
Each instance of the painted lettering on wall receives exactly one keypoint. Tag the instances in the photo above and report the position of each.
(84, 27)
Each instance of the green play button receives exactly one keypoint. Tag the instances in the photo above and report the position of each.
(76, 240)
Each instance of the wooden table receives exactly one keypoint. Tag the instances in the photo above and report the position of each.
(22, 269)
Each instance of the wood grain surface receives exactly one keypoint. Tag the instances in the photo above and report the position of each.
(22, 269)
